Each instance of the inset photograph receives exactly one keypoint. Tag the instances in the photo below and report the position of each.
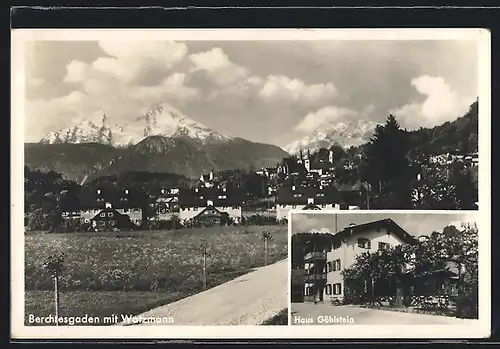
(384, 268)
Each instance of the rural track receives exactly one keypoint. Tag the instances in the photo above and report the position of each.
(249, 299)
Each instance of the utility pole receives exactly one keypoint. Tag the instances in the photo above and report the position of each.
(204, 266)
(266, 237)
(54, 265)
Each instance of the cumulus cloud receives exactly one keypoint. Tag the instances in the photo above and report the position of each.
(324, 117)
(303, 222)
(76, 71)
(283, 88)
(441, 104)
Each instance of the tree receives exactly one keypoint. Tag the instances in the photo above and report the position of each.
(386, 165)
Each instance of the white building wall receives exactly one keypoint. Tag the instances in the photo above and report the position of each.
(282, 210)
(348, 251)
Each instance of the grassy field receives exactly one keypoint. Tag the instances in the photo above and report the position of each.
(131, 272)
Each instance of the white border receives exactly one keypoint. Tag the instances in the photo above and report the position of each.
(20, 36)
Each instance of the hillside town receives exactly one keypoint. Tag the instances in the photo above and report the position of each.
(307, 181)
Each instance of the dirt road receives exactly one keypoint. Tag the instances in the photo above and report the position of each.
(250, 299)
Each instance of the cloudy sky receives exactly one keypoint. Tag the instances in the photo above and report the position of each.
(266, 91)
(414, 223)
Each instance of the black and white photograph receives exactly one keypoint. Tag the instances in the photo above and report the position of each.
(161, 168)
(386, 268)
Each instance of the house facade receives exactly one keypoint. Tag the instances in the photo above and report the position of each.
(308, 197)
(214, 200)
(165, 204)
(327, 266)
(125, 202)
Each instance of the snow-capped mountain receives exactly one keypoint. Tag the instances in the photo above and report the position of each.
(345, 134)
(162, 120)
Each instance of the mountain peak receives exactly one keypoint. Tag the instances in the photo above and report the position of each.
(344, 134)
(159, 120)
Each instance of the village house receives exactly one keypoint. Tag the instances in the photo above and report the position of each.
(305, 197)
(108, 219)
(210, 203)
(125, 202)
(323, 266)
(165, 204)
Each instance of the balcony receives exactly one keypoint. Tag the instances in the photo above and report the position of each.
(315, 277)
(315, 255)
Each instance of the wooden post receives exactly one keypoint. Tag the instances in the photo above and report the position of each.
(265, 251)
(56, 296)
(204, 266)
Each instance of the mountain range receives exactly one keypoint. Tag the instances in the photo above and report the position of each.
(166, 141)
(162, 140)
(344, 134)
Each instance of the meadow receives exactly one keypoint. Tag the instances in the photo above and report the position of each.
(130, 272)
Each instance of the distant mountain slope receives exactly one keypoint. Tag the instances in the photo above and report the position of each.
(460, 135)
(75, 161)
(181, 155)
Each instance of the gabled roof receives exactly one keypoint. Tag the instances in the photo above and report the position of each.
(311, 207)
(210, 211)
(386, 223)
(219, 197)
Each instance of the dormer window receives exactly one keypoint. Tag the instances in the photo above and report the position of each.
(310, 200)
(98, 191)
(126, 191)
(108, 205)
(210, 203)
(293, 187)
(223, 189)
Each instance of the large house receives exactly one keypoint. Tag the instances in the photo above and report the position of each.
(211, 204)
(305, 197)
(125, 202)
(165, 204)
(323, 268)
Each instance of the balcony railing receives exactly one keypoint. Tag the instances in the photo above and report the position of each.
(314, 277)
(316, 255)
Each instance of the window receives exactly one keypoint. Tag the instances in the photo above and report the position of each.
(223, 189)
(337, 289)
(383, 246)
(328, 289)
(339, 266)
(294, 206)
(293, 187)
(103, 214)
(364, 243)
(195, 208)
(329, 266)
(323, 205)
(298, 195)
(336, 265)
(125, 210)
(110, 214)
(96, 210)
(196, 190)
(126, 191)
(320, 194)
(136, 210)
(201, 197)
